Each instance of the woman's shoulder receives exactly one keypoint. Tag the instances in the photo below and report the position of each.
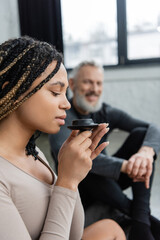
(3, 164)
(5, 174)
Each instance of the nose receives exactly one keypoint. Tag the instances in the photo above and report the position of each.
(68, 104)
(65, 104)
(95, 87)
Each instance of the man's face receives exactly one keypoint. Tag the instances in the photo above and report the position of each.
(88, 86)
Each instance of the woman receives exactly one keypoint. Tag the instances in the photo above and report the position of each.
(34, 203)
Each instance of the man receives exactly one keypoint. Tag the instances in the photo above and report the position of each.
(132, 165)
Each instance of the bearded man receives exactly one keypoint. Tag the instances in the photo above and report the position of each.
(131, 166)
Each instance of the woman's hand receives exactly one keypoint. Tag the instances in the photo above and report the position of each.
(96, 136)
(76, 155)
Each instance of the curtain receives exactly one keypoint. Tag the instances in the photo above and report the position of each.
(41, 19)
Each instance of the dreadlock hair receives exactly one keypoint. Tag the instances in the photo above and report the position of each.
(22, 60)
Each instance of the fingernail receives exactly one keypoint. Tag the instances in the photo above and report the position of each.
(104, 123)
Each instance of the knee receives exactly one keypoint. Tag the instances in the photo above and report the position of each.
(137, 135)
(103, 230)
(114, 228)
(139, 131)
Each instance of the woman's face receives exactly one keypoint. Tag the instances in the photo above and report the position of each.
(46, 109)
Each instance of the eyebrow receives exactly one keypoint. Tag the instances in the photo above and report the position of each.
(88, 79)
(58, 83)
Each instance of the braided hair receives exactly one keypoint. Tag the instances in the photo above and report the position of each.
(22, 60)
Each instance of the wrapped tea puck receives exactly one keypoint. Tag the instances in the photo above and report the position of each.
(83, 124)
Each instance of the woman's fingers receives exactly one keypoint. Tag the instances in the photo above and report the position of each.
(85, 145)
(88, 140)
(99, 128)
(81, 137)
(98, 150)
(96, 137)
(73, 134)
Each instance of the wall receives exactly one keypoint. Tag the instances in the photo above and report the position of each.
(135, 89)
(9, 21)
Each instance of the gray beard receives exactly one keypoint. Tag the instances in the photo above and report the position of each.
(85, 106)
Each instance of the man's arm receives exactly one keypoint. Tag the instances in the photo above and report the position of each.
(107, 166)
(124, 121)
(152, 138)
(140, 164)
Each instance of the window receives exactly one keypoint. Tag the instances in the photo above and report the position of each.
(89, 31)
(143, 29)
(111, 32)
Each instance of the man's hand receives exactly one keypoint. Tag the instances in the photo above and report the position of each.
(139, 166)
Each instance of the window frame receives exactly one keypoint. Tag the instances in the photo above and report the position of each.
(121, 39)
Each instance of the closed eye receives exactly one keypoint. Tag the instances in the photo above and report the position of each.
(55, 93)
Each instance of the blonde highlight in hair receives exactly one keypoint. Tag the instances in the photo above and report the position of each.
(16, 59)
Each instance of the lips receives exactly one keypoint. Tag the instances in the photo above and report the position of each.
(61, 120)
(62, 117)
(92, 94)
(92, 98)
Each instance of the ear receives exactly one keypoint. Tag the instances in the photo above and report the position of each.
(71, 84)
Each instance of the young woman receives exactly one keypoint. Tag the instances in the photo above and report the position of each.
(34, 202)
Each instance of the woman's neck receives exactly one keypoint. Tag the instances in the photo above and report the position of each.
(14, 137)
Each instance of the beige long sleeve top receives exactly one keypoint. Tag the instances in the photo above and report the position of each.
(32, 209)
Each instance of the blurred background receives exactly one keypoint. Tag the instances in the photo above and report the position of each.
(122, 35)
